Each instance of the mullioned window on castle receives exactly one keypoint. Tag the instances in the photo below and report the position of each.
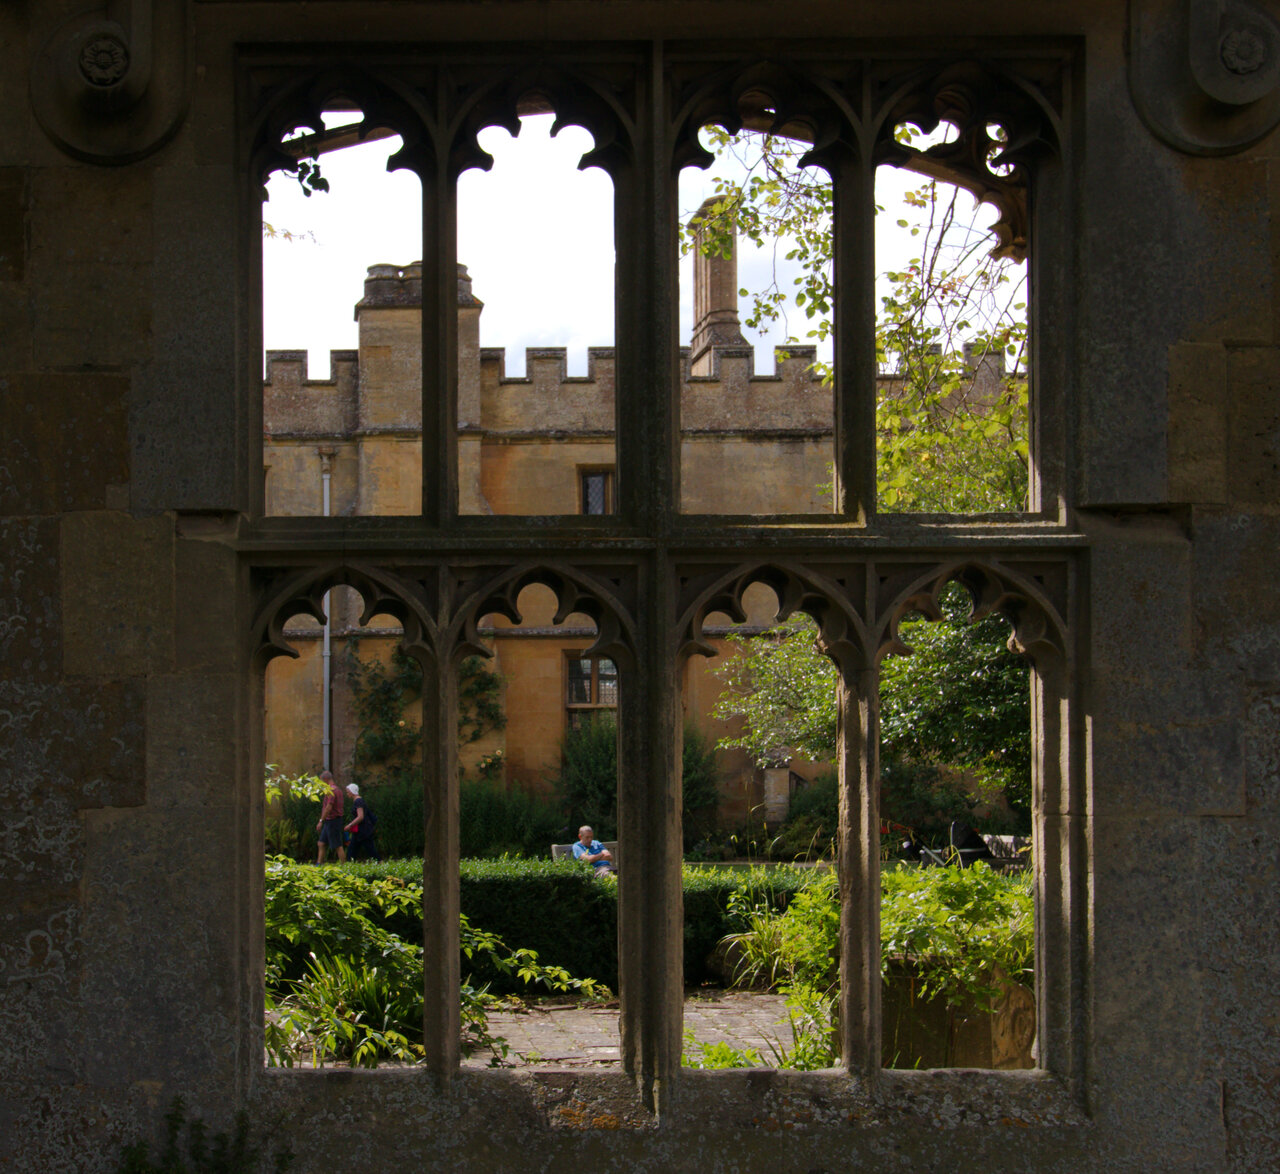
(591, 687)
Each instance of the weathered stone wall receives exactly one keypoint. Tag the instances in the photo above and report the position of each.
(131, 568)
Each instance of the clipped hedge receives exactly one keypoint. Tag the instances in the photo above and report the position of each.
(558, 909)
(571, 919)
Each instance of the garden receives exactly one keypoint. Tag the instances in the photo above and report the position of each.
(344, 960)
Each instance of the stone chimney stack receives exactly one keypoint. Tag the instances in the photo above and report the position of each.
(715, 300)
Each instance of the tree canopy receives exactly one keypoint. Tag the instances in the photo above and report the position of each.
(951, 438)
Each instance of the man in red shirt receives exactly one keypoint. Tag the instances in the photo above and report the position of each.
(329, 829)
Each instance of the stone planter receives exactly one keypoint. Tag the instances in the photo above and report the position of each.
(929, 1032)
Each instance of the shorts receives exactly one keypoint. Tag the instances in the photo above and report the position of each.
(331, 832)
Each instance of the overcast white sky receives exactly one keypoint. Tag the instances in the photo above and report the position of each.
(535, 233)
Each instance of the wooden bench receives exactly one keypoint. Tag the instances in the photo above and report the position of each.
(1010, 853)
(565, 851)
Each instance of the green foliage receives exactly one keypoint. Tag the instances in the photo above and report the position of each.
(963, 931)
(397, 802)
(962, 699)
(948, 441)
(277, 785)
(784, 691)
(564, 913)
(720, 1054)
(959, 927)
(496, 822)
(951, 438)
(960, 705)
(224, 1153)
(388, 745)
(346, 1009)
(337, 912)
(343, 985)
(777, 204)
(570, 918)
(813, 818)
(700, 783)
(716, 901)
(586, 787)
(298, 798)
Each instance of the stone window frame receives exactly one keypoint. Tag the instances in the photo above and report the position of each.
(608, 476)
(575, 710)
(650, 576)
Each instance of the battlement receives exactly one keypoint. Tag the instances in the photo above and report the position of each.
(293, 405)
(721, 391)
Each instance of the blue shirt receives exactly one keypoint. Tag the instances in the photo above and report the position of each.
(580, 850)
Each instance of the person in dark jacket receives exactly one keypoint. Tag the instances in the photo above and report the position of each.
(362, 827)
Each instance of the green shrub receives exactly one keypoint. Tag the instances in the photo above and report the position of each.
(586, 786)
(494, 821)
(960, 930)
(820, 799)
(344, 970)
(558, 909)
(700, 784)
(714, 903)
(958, 926)
(396, 801)
(570, 918)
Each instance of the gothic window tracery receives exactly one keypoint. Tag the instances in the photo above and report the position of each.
(647, 574)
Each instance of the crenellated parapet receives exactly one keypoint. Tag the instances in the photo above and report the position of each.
(733, 397)
(547, 400)
(295, 406)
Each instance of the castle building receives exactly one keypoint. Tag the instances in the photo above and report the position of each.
(754, 443)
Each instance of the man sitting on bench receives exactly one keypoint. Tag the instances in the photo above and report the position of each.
(592, 852)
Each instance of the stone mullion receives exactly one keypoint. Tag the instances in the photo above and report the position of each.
(646, 309)
(858, 701)
(650, 899)
(854, 322)
(439, 344)
(441, 977)
(252, 885)
(1061, 888)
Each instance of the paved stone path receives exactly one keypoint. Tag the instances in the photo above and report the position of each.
(585, 1036)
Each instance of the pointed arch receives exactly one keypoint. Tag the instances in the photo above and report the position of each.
(383, 100)
(287, 594)
(575, 97)
(486, 591)
(994, 588)
(843, 635)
